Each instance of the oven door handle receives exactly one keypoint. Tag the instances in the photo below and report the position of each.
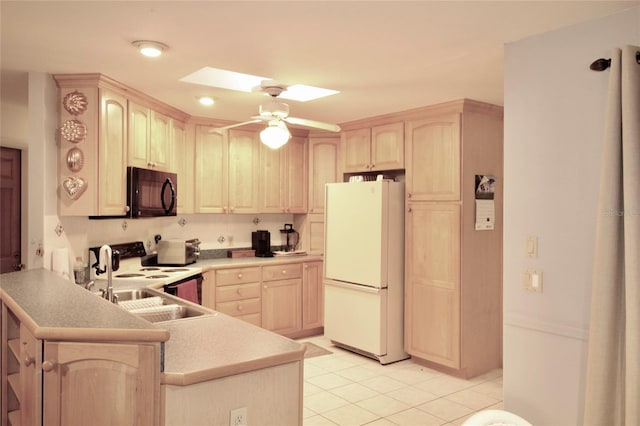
(168, 183)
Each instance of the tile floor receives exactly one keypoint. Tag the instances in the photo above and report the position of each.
(347, 389)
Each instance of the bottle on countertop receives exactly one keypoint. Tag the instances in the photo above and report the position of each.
(79, 268)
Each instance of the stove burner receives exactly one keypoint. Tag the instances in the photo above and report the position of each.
(175, 270)
(150, 269)
(152, 277)
(129, 275)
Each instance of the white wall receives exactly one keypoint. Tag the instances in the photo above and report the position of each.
(554, 121)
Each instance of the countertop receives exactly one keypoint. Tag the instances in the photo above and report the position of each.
(196, 349)
(54, 308)
(238, 262)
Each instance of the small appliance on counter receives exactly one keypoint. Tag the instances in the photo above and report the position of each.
(177, 252)
(290, 238)
(261, 243)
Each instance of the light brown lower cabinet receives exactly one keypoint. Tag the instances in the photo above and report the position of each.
(100, 384)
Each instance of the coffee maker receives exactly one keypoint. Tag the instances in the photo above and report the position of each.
(290, 237)
(261, 243)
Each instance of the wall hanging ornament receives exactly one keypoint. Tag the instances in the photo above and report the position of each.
(75, 103)
(73, 131)
(74, 186)
(75, 159)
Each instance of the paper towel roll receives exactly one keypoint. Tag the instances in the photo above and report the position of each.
(60, 262)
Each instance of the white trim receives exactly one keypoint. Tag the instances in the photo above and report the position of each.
(522, 321)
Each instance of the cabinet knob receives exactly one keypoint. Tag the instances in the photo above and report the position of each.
(284, 272)
(48, 365)
(127, 209)
(239, 292)
(240, 307)
(240, 276)
(408, 195)
(28, 360)
(409, 210)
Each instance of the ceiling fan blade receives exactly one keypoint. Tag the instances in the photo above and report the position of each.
(231, 126)
(313, 123)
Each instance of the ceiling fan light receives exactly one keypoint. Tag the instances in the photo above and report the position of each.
(151, 49)
(275, 134)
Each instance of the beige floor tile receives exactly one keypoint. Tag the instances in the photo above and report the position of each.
(415, 417)
(332, 363)
(309, 389)
(350, 415)
(311, 370)
(412, 396)
(354, 392)
(324, 401)
(306, 413)
(382, 384)
(328, 381)
(383, 405)
(381, 422)
(445, 409)
(490, 389)
(444, 385)
(317, 421)
(471, 399)
(357, 373)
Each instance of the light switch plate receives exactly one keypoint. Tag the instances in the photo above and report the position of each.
(531, 246)
(531, 280)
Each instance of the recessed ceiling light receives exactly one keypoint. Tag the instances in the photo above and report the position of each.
(206, 100)
(150, 48)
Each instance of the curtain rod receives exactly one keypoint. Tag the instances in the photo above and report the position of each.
(602, 63)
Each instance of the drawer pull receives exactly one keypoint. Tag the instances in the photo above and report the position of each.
(240, 276)
(28, 360)
(284, 272)
(239, 291)
(48, 365)
(240, 307)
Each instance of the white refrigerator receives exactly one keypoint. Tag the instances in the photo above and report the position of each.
(364, 268)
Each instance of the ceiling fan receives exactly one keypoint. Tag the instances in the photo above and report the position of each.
(276, 113)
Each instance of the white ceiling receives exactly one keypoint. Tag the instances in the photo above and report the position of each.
(382, 56)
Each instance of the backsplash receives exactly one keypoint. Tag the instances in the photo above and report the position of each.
(217, 233)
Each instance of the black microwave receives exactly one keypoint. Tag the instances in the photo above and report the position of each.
(151, 193)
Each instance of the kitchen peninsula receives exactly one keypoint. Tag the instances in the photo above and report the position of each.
(70, 357)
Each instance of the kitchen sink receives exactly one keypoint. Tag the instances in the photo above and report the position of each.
(155, 306)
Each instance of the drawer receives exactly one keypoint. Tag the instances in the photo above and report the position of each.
(226, 293)
(237, 276)
(239, 307)
(278, 272)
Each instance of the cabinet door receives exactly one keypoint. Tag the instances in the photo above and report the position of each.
(433, 158)
(101, 384)
(139, 135)
(112, 177)
(295, 172)
(387, 147)
(209, 290)
(183, 165)
(356, 150)
(30, 375)
(272, 179)
(160, 142)
(432, 282)
(323, 169)
(244, 163)
(312, 292)
(281, 305)
(211, 184)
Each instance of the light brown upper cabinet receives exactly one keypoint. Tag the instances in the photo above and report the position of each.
(149, 138)
(323, 169)
(182, 148)
(373, 149)
(283, 177)
(433, 158)
(226, 179)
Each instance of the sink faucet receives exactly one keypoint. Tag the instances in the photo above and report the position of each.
(108, 261)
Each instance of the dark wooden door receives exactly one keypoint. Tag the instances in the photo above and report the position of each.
(10, 170)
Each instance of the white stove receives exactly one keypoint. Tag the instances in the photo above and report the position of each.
(132, 274)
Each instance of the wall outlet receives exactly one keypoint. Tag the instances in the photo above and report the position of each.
(531, 280)
(238, 417)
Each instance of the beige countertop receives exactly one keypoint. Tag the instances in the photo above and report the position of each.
(238, 262)
(54, 308)
(196, 349)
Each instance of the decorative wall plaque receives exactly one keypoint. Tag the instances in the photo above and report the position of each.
(73, 131)
(74, 186)
(75, 103)
(75, 159)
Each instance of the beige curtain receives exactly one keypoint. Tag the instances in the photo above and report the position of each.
(613, 365)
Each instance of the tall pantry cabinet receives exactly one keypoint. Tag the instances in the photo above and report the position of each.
(453, 272)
